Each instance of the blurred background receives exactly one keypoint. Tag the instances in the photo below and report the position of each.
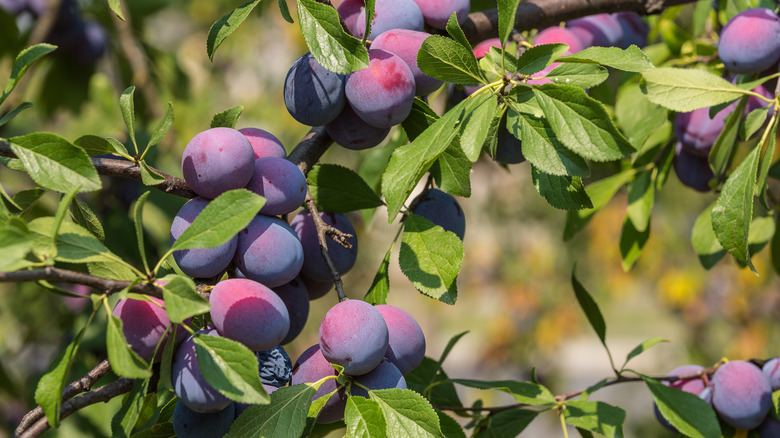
(515, 295)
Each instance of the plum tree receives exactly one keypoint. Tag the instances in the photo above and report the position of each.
(199, 262)
(750, 42)
(437, 12)
(741, 394)
(354, 334)
(249, 312)
(406, 44)
(442, 209)
(391, 14)
(217, 160)
(264, 144)
(351, 132)
(312, 366)
(268, 251)
(312, 94)
(314, 266)
(383, 93)
(188, 382)
(280, 182)
(406, 341)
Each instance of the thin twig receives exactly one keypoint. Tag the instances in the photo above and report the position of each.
(321, 228)
(104, 285)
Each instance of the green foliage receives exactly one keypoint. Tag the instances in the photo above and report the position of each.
(337, 189)
(230, 368)
(226, 25)
(331, 46)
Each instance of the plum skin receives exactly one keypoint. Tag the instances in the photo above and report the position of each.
(443, 210)
(385, 376)
(312, 94)
(312, 366)
(199, 262)
(741, 394)
(249, 312)
(217, 160)
(390, 14)
(280, 182)
(295, 297)
(406, 347)
(354, 334)
(269, 251)
(349, 131)
(264, 144)
(750, 41)
(406, 44)
(144, 323)
(188, 382)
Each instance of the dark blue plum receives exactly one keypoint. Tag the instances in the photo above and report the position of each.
(391, 14)
(405, 44)
(635, 29)
(314, 265)
(313, 95)
(351, 132)
(200, 262)
(280, 182)
(692, 170)
(188, 382)
(317, 288)
(192, 424)
(312, 366)
(769, 428)
(741, 394)
(349, 10)
(750, 41)
(602, 30)
(264, 144)
(384, 376)
(406, 345)
(249, 312)
(354, 334)
(275, 367)
(437, 12)
(772, 371)
(383, 93)
(509, 149)
(296, 298)
(443, 210)
(92, 43)
(269, 251)
(217, 160)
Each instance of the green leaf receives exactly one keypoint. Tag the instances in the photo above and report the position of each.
(285, 11)
(733, 211)
(753, 122)
(578, 75)
(641, 197)
(509, 423)
(285, 417)
(125, 419)
(542, 148)
(225, 216)
(722, 152)
(442, 58)
(116, 8)
(23, 61)
(590, 308)
(112, 270)
(632, 59)
(228, 118)
(452, 171)
(428, 378)
(683, 89)
(453, 28)
(524, 392)
(766, 162)
(127, 106)
(419, 119)
(331, 46)
(407, 414)
(181, 299)
(338, 189)
(687, 412)
(14, 112)
(641, 348)
(637, 117)
(364, 418)
(480, 112)
(599, 193)
(124, 361)
(162, 127)
(449, 427)
(450, 345)
(148, 176)
(506, 18)
(564, 192)
(598, 417)
(159, 430)
(409, 163)
(138, 212)
(230, 368)
(55, 163)
(83, 215)
(369, 7)
(632, 241)
(705, 242)
(582, 123)
(165, 384)
(226, 25)
(537, 58)
(380, 287)
(95, 145)
(15, 244)
(431, 258)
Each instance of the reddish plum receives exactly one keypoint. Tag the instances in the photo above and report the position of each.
(264, 144)
(750, 41)
(217, 160)
(406, 345)
(312, 366)
(353, 334)
(280, 182)
(406, 44)
(269, 251)
(741, 394)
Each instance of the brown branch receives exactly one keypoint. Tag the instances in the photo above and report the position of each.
(84, 384)
(102, 394)
(321, 228)
(65, 276)
(309, 151)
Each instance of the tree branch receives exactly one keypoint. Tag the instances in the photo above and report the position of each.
(322, 229)
(65, 276)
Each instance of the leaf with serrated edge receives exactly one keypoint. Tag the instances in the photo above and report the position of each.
(480, 111)
(231, 368)
(431, 258)
(138, 210)
(407, 414)
(226, 25)
(181, 299)
(590, 308)
(506, 18)
(453, 28)
(364, 418)
(162, 128)
(598, 417)
(641, 197)
(380, 287)
(331, 46)
(641, 348)
(338, 189)
(632, 242)
(452, 171)
(542, 148)
(442, 58)
(23, 61)
(55, 163)
(564, 192)
(687, 412)
(124, 361)
(285, 11)
(116, 8)
(578, 75)
(148, 176)
(632, 59)
(226, 215)
(722, 151)
(684, 89)
(524, 392)
(599, 193)
(581, 123)
(227, 118)
(536, 58)
(285, 417)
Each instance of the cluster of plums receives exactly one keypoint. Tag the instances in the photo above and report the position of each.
(749, 44)
(739, 392)
(76, 38)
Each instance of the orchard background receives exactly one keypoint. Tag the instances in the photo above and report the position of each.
(515, 292)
